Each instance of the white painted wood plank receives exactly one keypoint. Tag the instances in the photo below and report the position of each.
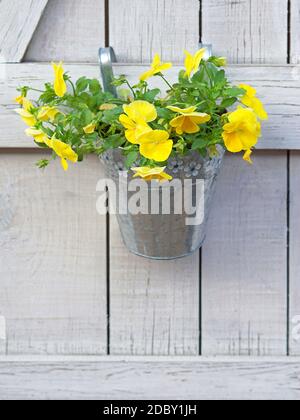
(278, 86)
(246, 31)
(69, 30)
(195, 379)
(53, 257)
(141, 28)
(154, 304)
(244, 264)
(18, 21)
(294, 254)
(295, 31)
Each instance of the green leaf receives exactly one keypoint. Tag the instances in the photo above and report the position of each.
(226, 103)
(234, 91)
(81, 85)
(131, 159)
(113, 142)
(95, 87)
(151, 95)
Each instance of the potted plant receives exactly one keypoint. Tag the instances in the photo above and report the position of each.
(151, 136)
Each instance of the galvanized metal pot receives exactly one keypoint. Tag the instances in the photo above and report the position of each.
(166, 236)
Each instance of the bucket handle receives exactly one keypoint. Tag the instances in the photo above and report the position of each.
(107, 57)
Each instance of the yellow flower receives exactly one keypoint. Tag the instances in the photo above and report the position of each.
(192, 62)
(64, 151)
(90, 129)
(107, 107)
(247, 156)
(189, 120)
(156, 145)
(156, 67)
(149, 174)
(38, 135)
(135, 119)
(241, 132)
(220, 61)
(20, 99)
(26, 116)
(60, 86)
(252, 102)
(47, 113)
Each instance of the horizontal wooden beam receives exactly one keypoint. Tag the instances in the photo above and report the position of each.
(278, 87)
(149, 378)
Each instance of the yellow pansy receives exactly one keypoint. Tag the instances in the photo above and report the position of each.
(251, 101)
(135, 119)
(149, 174)
(189, 120)
(156, 145)
(247, 156)
(241, 132)
(90, 129)
(38, 135)
(192, 62)
(20, 99)
(47, 113)
(64, 151)
(60, 86)
(25, 112)
(156, 67)
(107, 107)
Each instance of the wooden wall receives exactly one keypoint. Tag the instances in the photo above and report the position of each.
(69, 286)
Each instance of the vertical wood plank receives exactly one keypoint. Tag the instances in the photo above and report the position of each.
(154, 305)
(295, 31)
(53, 258)
(244, 260)
(246, 31)
(141, 28)
(244, 270)
(294, 254)
(18, 21)
(69, 30)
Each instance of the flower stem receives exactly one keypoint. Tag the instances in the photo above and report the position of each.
(165, 80)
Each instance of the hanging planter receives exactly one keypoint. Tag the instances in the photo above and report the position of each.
(162, 152)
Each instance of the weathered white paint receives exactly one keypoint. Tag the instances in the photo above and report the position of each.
(246, 31)
(278, 87)
(18, 21)
(141, 28)
(69, 31)
(151, 379)
(53, 257)
(154, 304)
(244, 264)
(295, 31)
(294, 285)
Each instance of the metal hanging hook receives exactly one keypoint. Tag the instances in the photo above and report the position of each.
(107, 57)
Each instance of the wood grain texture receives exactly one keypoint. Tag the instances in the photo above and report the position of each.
(141, 28)
(154, 304)
(18, 21)
(295, 31)
(53, 257)
(244, 264)
(248, 31)
(278, 87)
(294, 254)
(69, 31)
(194, 379)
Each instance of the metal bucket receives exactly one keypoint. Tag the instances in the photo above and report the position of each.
(166, 236)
